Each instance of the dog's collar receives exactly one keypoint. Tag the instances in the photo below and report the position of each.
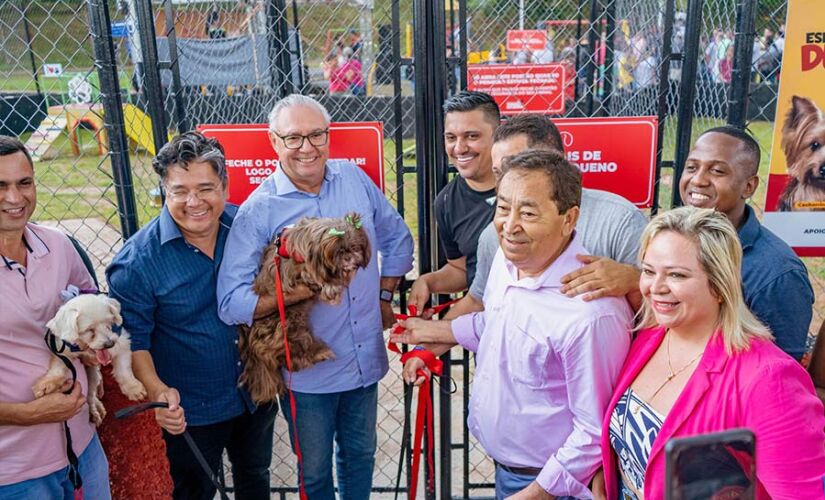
(53, 340)
(280, 243)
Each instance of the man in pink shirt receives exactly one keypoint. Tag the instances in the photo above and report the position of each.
(546, 363)
(37, 264)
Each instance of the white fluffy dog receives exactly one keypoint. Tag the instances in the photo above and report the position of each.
(84, 324)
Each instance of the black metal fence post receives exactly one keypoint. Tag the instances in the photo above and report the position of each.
(279, 61)
(742, 65)
(430, 90)
(27, 31)
(591, 68)
(152, 86)
(687, 93)
(664, 90)
(182, 122)
(609, 55)
(113, 115)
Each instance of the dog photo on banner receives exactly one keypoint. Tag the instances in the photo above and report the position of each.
(795, 205)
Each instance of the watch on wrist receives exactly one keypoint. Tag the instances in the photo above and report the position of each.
(385, 295)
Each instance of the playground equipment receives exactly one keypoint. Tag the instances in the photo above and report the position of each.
(68, 118)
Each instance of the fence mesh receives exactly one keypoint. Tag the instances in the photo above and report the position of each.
(51, 100)
(611, 55)
(232, 69)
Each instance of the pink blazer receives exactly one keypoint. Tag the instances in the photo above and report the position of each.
(762, 389)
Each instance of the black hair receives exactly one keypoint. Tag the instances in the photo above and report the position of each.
(564, 177)
(749, 144)
(191, 147)
(539, 130)
(10, 145)
(470, 100)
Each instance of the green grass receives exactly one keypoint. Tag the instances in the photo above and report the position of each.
(79, 187)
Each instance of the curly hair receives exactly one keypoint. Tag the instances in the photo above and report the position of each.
(191, 147)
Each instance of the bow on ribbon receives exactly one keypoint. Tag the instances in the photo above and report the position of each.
(424, 412)
(354, 221)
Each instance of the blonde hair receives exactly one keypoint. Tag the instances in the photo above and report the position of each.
(720, 255)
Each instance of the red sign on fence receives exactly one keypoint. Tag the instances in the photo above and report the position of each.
(250, 158)
(521, 88)
(614, 154)
(526, 40)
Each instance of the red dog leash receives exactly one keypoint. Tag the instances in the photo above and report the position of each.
(424, 412)
(279, 291)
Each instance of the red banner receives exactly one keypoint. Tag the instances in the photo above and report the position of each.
(526, 40)
(521, 88)
(250, 158)
(614, 154)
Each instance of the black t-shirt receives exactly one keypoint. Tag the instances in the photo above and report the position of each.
(462, 214)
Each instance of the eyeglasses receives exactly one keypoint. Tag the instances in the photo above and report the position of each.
(297, 141)
(182, 195)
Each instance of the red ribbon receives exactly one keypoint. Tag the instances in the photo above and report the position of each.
(282, 251)
(424, 412)
(292, 407)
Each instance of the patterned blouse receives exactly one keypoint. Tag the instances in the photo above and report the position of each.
(634, 426)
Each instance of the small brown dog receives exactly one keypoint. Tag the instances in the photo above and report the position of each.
(322, 253)
(803, 140)
(84, 324)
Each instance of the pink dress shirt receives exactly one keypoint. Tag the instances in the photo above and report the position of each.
(547, 365)
(762, 389)
(26, 304)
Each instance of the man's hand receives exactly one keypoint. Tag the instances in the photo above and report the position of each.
(298, 294)
(422, 331)
(532, 492)
(387, 315)
(172, 419)
(420, 292)
(597, 486)
(600, 277)
(268, 304)
(410, 372)
(55, 407)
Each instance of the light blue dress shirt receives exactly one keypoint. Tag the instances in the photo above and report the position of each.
(352, 329)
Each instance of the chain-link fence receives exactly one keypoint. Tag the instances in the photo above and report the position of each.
(610, 54)
(50, 98)
(229, 61)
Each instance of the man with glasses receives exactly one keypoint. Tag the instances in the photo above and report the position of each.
(337, 400)
(165, 279)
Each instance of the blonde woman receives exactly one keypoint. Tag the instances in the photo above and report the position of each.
(701, 363)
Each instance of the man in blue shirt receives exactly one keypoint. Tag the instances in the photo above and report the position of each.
(337, 399)
(721, 172)
(165, 279)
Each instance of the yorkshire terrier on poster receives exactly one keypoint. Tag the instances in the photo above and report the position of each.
(803, 141)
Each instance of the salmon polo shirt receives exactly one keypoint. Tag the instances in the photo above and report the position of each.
(30, 297)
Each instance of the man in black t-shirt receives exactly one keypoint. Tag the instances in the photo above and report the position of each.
(466, 205)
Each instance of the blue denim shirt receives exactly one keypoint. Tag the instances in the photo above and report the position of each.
(776, 286)
(352, 329)
(166, 288)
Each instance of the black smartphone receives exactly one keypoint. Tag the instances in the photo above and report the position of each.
(717, 466)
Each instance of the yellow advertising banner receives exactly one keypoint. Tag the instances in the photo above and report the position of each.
(795, 204)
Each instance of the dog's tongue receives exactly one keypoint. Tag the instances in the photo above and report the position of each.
(103, 357)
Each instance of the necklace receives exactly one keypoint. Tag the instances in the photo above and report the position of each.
(670, 375)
